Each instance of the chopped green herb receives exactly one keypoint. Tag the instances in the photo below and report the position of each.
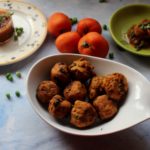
(145, 26)
(8, 95)
(74, 20)
(17, 93)
(105, 27)
(4, 16)
(148, 26)
(102, 1)
(19, 29)
(142, 26)
(8, 74)
(111, 55)
(9, 77)
(18, 33)
(18, 74)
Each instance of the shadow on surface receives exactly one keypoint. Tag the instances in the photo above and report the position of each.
(142, 60)
(123, 140)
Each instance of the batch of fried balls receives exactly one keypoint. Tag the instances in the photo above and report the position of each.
(76, 92)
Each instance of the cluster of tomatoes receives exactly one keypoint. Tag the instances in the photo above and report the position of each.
(87, 39)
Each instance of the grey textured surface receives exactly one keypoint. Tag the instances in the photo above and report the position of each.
(22, 129)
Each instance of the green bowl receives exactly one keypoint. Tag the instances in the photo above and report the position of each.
(123, 19)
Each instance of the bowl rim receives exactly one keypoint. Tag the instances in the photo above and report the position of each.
(115, 13)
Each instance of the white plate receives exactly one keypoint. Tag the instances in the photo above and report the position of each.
(34, 24)
(135, 109)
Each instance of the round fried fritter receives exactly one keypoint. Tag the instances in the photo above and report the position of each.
(115, 86)
(83, 114)
(60, 74)
(81, 69)
(95, 87)
(59, 107)
(46, 90)
(75, 90)
(106, 108)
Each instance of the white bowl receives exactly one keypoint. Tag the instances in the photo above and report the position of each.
(135, 109)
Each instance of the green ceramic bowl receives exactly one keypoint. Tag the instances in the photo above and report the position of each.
(123, 19)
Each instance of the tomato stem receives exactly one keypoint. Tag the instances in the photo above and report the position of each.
(85, 44)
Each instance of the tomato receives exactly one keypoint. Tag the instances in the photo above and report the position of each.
(68, 42)
(93, 44)
(58, 23)
(88, 25)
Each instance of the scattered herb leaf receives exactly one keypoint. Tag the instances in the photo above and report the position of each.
(111, 55)
(17, 93)
(9, 77)
(18, 74)
(8, 96)
(8, 74)
(105, 27)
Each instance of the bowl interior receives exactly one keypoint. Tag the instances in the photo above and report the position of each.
(134, 110)
(123, 19)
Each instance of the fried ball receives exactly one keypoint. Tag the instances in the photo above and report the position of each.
(83, 114)
(59, 107)
(81, 69)
(95, 87)
(75, 90)
(60, 74)
(46, 90)
(106, 108)
(115, 86)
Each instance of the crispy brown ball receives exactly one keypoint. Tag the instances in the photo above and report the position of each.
(75, 90)
(83, 114)
(60, 73)
(59, 107)
(106, 108)
(81, 69)
(95, 87)
(46, 90)
(115, 86)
